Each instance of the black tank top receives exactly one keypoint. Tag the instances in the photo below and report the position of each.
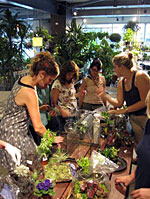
(133, 96)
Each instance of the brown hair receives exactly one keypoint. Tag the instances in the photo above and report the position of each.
(43, 61)
(67, 67)
(125, 60)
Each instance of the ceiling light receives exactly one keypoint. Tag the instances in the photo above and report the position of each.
(75, 13)
(84, 20)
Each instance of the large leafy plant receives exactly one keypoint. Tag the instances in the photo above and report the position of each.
(76, 45)
(13, 32)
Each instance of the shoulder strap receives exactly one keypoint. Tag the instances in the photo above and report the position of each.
(133, 79)
(123, 84)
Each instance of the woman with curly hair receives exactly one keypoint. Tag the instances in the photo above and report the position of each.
(22, 106)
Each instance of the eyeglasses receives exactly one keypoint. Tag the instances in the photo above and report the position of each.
(94, 70)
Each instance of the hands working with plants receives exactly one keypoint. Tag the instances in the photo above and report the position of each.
(46, 143)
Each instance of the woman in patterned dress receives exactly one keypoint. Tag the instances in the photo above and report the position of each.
(22, 106)
(64, 94)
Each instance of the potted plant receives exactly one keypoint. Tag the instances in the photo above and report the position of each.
(110, 153)
(115, 37)
(128, 36)
(44, 188)
(13, 33)
(44, 149)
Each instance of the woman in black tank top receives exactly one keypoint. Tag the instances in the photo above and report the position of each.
(132, 90)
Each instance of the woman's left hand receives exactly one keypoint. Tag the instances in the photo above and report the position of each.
(58, 139)
(143, 193)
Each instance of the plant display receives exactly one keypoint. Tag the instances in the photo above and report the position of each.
(20, 179)
(44, 187)
(83, 124)
(106, 123)
(58, 168)
(84, 164)
(46, 143)
(128, 35)
(22, 171)
(58, 156)
(89, 189)
(110, 152)
(13, 33)
(58, 171)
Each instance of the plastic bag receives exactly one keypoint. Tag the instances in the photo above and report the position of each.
(101, 164)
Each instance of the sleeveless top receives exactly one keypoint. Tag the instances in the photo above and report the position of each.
(91, 87)
(14, 129)
(142, 177)
(133, 96)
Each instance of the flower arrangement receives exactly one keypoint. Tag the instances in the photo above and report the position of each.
(44, 187)
(46, 143)
(22, 170)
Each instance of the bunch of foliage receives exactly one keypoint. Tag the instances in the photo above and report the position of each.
(44, 187)
(110, 152)
(84, 164)
(13, 33)
(115, 37)
(76, 45)
(128, 35)
(44, 148)
(132, 25)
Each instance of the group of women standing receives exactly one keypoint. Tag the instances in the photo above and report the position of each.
(23, 106)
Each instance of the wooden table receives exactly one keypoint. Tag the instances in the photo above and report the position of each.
(80, 149)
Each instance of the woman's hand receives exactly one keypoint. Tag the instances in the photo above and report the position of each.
(122, 182)
(143, 193)
(14, 152)
(44, 107)
(53, 113)
(58, 139)
(64, 112)
(117, 112)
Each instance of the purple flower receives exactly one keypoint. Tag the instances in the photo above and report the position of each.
(48, 183)
(40, 186)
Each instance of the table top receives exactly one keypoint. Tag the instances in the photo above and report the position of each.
(63, 190)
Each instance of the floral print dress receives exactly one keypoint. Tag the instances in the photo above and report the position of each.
(67, 99)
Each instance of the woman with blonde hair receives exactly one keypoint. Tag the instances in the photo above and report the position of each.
(132, 88)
